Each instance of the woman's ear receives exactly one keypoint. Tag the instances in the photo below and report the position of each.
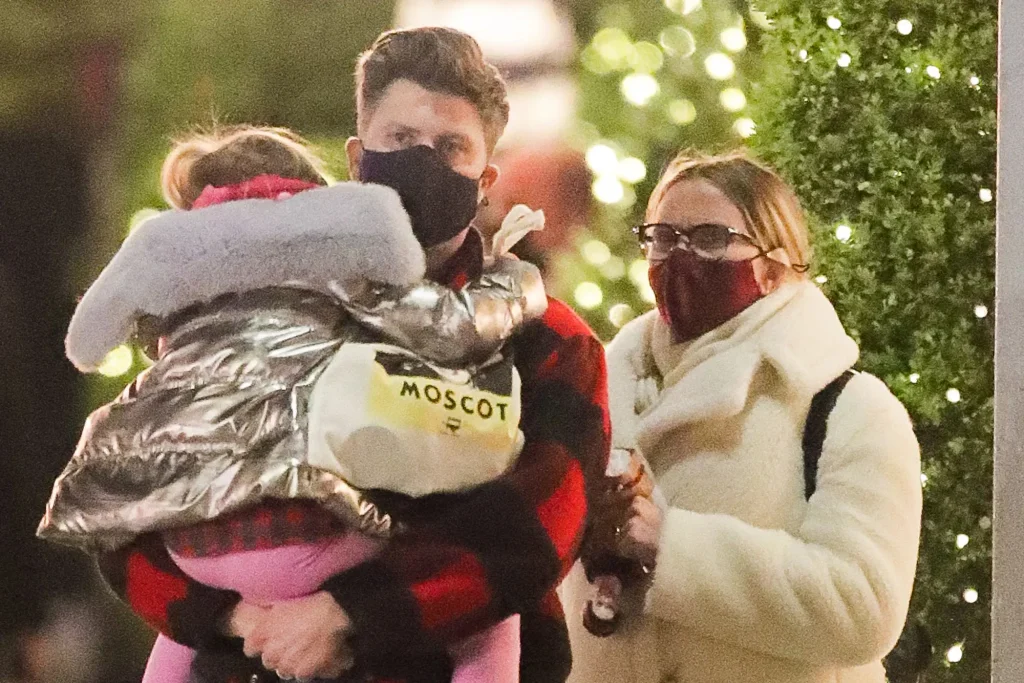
(354, 153)
(770, 274)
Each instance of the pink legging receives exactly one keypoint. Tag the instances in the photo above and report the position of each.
(293, 571)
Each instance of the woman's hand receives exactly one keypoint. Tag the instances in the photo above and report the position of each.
(297, 639)
(626, 522)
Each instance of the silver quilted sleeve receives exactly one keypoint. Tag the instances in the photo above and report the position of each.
(451, 327)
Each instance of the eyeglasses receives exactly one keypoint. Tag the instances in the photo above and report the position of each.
(709, 241)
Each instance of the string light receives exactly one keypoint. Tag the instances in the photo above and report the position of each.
(678, 41)
(955, 654)
(684, 7)
(632, 170)
(803, 55)
(719, 66)
(732, 99)
(639, 88)
(953, 395)
(638, 274)
(933, 71)
(904, 27)
(620, 314)
(834, 23)
(602, 159)
(613, 45)
(594, 62)
(608, 190)
(970, 596)
(596, 252)
(589, 295)
(914, 378)
(962, 540)
(924, 479)
(733, 39)
(682, 112)
(821, 279)
(844, 233)
(614, 268)
(638, 271)
(975, 81)
(985, 195)
(981, 310)
(116, 363)
(844, 60)
(985, 523)
(647, 57)
(628, 197)
(744, 127)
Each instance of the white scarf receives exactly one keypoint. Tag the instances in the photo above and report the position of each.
(656, 386)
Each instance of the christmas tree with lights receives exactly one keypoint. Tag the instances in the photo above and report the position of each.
(881, 114)
(653, 78)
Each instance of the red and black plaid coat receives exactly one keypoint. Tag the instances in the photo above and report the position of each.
(480, 557)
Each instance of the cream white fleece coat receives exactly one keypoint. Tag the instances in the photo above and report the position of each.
(753, 582)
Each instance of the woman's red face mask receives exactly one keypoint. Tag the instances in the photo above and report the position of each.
(695, 295)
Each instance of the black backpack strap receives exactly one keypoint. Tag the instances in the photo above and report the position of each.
(913, 652)
(814, 428)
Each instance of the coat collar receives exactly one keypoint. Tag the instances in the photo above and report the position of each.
(794, 330)
(350, 231)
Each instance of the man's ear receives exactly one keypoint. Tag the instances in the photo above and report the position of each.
(489, 177)
(354, 153)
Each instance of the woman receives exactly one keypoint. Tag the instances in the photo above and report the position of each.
(750, 579)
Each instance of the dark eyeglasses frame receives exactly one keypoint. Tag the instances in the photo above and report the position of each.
(683, 240)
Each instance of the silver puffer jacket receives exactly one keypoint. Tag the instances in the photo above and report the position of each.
(219, 422)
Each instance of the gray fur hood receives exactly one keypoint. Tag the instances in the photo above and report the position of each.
(316, 239)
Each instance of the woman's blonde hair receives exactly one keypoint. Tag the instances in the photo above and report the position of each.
(234, 154)
(770, 208)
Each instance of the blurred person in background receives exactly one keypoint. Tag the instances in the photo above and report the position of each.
(553, 180)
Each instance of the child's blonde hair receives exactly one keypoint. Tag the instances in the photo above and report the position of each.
(234, 154)
(769, 206)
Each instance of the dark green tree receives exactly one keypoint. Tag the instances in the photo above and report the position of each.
(883, 116)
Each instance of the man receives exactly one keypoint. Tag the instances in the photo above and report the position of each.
(430, 111)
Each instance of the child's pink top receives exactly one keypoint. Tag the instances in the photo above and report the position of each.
(280, 573)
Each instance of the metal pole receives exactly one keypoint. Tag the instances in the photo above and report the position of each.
(1008, 489)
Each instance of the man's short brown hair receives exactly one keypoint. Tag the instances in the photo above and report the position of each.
(439, 59)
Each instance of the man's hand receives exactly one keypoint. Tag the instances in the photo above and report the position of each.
(303, 638)
(242, 619)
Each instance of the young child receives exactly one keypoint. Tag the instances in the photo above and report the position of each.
(305, 373)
